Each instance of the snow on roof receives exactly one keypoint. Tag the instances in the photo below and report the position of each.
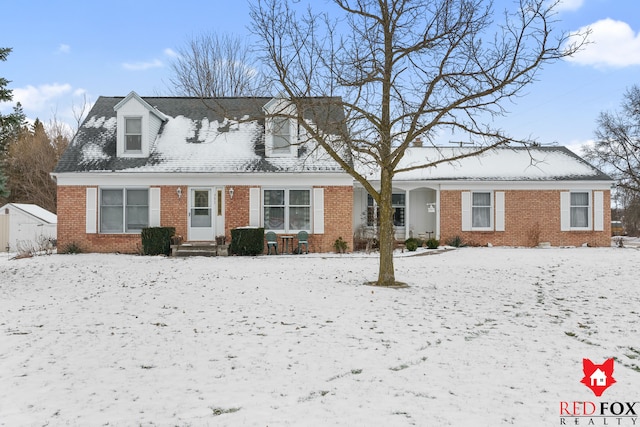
(200, 146)
(37, 211)
(216, 135)
(500, 164)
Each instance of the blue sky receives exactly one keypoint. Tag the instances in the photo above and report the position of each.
(65, 49)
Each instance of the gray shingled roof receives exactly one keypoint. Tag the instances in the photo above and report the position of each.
(210, 135)
(226, 135)
(552, 163)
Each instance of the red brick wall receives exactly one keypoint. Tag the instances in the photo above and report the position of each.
(173, 212)
(531, 217)
(236, 212)
(72, 226)
(338, 205)
(338, 219)
(71, 217)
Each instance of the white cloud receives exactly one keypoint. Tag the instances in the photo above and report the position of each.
(569, 5)
(171, 53)
(577, 146)
(141, 66)
(49, 101)
(63, 48)
(612, 44)
(37, 98)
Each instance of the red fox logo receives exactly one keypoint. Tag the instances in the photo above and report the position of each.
(597, 377)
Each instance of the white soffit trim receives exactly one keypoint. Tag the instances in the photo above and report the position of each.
(288, 180)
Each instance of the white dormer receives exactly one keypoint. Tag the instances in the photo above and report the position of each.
(138, 124)
(281, 136)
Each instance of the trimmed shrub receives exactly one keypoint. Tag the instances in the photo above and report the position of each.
(456, 242)
(433, 243)
(411, 244)
(157, 240)
(71, 248)
(247, 241)
(340, 246)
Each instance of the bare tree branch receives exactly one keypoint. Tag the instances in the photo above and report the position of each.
(31, 157)
(212, 65)
(405, 69)
(617, 151)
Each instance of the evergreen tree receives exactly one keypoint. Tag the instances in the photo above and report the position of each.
(5, 94)
(4, 187)
(9, 125)
(10, 130)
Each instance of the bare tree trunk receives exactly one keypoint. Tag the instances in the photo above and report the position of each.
(386, 272)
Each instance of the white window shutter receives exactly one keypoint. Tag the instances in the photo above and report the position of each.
(466, 210)
(565, 211)
(318, 211)
(499, 210)
(154, 207)
(91, 219)
(254, 207)
(598, 210)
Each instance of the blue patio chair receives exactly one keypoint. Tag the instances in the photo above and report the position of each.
(272, 242)
(303, 239)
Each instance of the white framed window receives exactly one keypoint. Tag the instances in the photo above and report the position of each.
(398, 203)
(281, 136)
(579, 208)
(123, 210)
(138, 124)
(481, 210)
(133, 134)
(280, 139)
(287, 210)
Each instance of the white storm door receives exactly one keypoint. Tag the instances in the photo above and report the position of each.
(201, 223)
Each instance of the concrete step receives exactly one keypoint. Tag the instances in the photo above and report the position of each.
(195, 252)
(188, 249)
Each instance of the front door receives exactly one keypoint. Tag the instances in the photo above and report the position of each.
(201, 209)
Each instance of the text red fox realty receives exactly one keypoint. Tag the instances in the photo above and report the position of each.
(601, 413)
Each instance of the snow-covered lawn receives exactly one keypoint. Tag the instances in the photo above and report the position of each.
(482, 337)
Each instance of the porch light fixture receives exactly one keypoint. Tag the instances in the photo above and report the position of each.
(231, 192)
(179, 192)
(431, 207)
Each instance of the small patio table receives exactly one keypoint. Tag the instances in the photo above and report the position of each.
(285, 243)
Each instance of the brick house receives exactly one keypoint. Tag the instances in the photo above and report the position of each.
(507, 196)
(208, 166)
(204, 167)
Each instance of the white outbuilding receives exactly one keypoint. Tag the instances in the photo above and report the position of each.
(26, 227)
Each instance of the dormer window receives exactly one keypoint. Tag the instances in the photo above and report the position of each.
(138, 124)
(280, 129)
(281, 136)
(133, 134)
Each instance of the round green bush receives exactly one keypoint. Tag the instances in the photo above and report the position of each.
(411, 244)
(433, 243)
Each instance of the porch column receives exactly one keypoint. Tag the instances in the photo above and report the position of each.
(437, 236)
(407, 214)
